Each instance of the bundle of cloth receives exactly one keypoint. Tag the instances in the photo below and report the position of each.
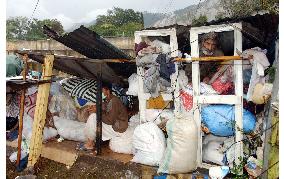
(154, 56)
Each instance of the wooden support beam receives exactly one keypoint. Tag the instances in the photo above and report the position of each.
(22, 105)
(220, 58)
(99, 112)
(40, 112)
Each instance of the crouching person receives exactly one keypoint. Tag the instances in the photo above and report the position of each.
(114, 119)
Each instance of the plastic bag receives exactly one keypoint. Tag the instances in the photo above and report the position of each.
(123, 143)
(13, 156)
(220, 119)
(64, 105)
(149, 144)
(71, 130)
(158, 115)
(48, 132)
(211, 149)
(181, 153)
(134, 121)
(133, 85)
(261, 93)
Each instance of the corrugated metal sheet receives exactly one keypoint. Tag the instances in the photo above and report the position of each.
(88, 43)
(81, 67)
(91, 45)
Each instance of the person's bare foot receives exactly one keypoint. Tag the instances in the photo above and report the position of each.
(89, 144)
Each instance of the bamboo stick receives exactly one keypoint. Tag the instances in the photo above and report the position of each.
(22, 105)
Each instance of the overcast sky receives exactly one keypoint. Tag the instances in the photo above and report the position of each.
(78, 11)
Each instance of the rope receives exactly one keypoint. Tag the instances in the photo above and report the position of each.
(33, 12)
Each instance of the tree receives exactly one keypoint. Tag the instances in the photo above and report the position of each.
(242, 8)
(118, 22)
(118, 17)
(201, 20)
(20, 28)
(220, 15)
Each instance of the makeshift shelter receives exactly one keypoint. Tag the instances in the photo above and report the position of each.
(105, 63)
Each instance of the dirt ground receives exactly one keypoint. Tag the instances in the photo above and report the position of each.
(84, 167)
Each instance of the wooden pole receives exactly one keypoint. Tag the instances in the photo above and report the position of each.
(99, 112)
(40, 112)
(22, 105)
(220, 58)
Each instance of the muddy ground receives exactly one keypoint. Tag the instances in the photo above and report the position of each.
(84, 167)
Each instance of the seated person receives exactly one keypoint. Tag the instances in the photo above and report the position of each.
(114, 119)
(209, 48)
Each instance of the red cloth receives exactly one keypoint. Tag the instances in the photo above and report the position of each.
(30, 104)
(222, 88)
(187, 100)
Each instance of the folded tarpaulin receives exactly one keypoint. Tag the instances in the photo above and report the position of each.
(14, 65)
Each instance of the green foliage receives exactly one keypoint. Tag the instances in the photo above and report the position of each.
(242, 8)
(118, 22)
(238, 168)
(271, 71)
(201, 20)
(19, 28)
(220, 15)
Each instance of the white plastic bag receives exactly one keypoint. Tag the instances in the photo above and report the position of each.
(211, 153)
(123, 143)
(133, 85)
(48, 132)
(71, 130)
(134, 121)
(181, 153)
(64, 105)
(13, 156)
(149, 144)
(161, 46)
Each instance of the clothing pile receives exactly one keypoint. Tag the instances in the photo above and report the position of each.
(158, 66)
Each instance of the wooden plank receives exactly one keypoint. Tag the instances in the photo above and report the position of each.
(219, 58)
(22, 105)
(54, 150)
(175, 87)
(40, 112)
(99, 112)
(238, 74)
(141, 97)
(158, 32)
(212, 28)
(219, 99)
(196, 93)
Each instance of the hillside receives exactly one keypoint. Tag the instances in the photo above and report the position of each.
(184, 16)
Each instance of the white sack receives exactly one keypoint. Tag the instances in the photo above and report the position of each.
(211, 153)
(134, 121)
(181, 153)
(123, 143)
(48, 132)
(149, 144)
(69, 129)
(158, 115)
